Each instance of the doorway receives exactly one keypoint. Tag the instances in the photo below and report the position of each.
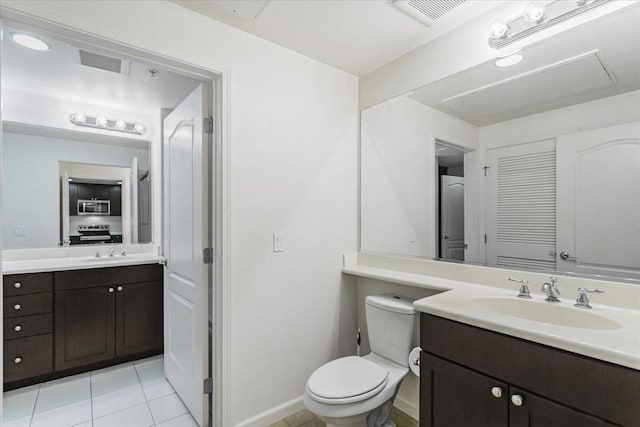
(171, 85)
(450, 190)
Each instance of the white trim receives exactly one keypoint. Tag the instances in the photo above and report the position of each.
(407, 407)
(273, 415)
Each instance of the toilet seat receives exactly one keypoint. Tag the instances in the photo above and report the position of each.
(347, 380)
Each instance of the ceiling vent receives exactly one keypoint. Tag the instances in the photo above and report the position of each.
(102, 62)
(427, 12)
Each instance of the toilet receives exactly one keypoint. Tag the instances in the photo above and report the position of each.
(359, 391)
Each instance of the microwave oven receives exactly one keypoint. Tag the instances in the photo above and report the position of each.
(94, 207)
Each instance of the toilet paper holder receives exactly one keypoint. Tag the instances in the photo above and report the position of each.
(414, 360)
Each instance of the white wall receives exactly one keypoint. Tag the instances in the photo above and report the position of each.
(398, 174)
(31, 183)
(293, 164)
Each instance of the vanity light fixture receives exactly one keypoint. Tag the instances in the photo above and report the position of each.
(101, 122)
(29, 41)
(537, 16)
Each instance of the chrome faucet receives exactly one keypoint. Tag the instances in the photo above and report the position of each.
(551, 289)
(524, 287)
(583, 300)
(111, 252)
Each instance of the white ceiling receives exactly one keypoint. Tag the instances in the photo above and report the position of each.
(356, 36)
(595, 60)
(56, 73)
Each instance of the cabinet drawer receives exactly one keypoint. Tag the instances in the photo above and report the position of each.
(98, 277)
(28, 357)
(24, 284)
(26, 305)
(27, 326)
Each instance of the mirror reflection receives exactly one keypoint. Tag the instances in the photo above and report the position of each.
(531, 166)
(81, 152)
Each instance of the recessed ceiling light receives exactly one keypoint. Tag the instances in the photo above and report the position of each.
(29, 41)
(509, 60)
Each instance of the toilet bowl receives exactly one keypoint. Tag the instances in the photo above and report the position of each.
(359, 391)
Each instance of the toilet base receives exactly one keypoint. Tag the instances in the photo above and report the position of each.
(379, 417)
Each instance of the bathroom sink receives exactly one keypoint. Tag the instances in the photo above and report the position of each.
(546, 312)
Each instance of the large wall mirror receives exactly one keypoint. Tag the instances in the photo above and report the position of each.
(81, 142)
(531, 166)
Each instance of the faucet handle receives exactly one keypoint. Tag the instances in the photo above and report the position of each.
(551, 289)
(524, 287)
(583, 300)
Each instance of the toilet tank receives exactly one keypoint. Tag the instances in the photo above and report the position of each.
(390, 322)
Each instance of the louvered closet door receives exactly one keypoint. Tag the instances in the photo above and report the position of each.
(521, 206)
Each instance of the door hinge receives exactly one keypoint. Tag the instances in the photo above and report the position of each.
(358, 337)
(486, 168)
(208, 386)
(207, 125)
(485, 239)
(207, 255)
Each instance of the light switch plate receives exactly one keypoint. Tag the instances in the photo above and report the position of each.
(278, 242)
(19, 231)
(412, 235)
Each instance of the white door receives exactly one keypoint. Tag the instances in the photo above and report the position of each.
(64, 209)
(133, 178)
(520, 205)
(186, 235)
(599, 201)
(452, 218)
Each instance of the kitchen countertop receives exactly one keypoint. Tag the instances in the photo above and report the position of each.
(458, 301)
(77, 263)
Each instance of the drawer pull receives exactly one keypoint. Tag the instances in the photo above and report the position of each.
(17, 328)
(17, 285)
(110, 290)
(17, 360)
(119, 288)
(517, 400)
(17, 306)
(496, 392)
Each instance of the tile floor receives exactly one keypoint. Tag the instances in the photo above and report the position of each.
(134, 394)
(307, 419)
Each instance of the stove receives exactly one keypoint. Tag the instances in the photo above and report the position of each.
(93, 233)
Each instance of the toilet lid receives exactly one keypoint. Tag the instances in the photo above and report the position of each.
(347, 378)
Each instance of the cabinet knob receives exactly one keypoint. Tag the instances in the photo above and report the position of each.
(17, 328)
(17, 360)
(17, 307)
(496, 392)
(517, 400)
(119, 288)
(111, 289)
(17, 285)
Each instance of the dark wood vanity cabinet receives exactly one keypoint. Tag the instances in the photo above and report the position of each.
(474, 377)
(79, 320)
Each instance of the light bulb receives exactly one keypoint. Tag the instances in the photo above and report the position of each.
(498, 30)
(79, 118)
(121, 125)
(29, 41)
(508, 61)
(534, 13)
(101, 121)
(139, 127)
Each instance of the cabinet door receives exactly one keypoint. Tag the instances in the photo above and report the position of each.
(139, 318)
(73, 198)
(84, 326)
(535, 411)
(116, 200)
(453, 396)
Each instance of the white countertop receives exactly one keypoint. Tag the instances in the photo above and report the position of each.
(77, 263)
(457, 302)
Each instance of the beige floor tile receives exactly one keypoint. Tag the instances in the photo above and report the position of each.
(405, 420)
(281, 423)
(315, 422)
(300, 418)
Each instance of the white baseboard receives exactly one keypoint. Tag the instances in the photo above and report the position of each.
(274, 415)
(407, 407)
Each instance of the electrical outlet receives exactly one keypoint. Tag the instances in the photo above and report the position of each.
(278, 242)
(19, 231)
